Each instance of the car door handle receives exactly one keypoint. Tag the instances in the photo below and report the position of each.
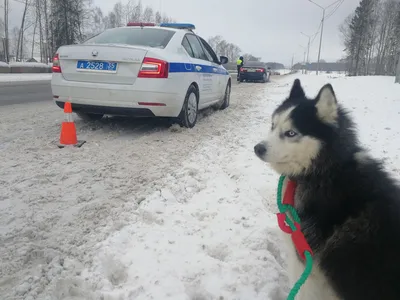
(198, 68)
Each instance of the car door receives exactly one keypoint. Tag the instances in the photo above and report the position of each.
(219, 80)
(203, 68)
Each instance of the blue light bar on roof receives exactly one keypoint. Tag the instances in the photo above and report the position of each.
(178, 25)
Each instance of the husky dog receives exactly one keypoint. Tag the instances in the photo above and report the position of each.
(348, 205)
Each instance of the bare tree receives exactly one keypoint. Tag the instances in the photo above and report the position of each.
(119, 14)
(136, 13)
(49, 24)
(387, 40)
(19, 54)
(6, 36)
(148, 14)
(158, 17)
(372, 37)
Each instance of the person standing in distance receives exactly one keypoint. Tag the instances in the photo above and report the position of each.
(239, 64)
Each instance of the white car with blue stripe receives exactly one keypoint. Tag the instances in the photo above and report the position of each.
(141, 70)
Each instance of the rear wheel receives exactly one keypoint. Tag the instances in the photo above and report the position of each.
(89, 117)
(265, 78)
(188, 115)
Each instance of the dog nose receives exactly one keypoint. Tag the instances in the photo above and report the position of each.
(260, 149)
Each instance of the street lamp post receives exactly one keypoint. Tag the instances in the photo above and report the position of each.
(398, 71)
(322, 29)
(304, 60)
(308, 47)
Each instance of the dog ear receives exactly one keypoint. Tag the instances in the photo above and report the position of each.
(297, 91)
(326, 104)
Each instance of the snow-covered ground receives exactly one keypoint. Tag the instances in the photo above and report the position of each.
(143, 211)
(283, 71)
(25, 77)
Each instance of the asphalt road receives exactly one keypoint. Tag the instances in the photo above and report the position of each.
(21, 92)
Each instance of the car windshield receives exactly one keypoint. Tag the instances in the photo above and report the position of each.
(149, 37)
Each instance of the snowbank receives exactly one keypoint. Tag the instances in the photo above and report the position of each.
(283, 71)
(24, 77)
(4, 64)
(143, 211)
(29, 64)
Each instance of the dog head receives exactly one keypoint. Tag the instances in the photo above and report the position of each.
(300, 128)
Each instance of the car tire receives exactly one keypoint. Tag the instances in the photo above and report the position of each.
(227, 96)
(265, 78)
(90, 117)
(189, 113)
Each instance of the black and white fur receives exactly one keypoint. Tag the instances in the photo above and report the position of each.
(348, 205)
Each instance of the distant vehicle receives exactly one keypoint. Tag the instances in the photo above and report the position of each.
(142, 70)
(254, 71)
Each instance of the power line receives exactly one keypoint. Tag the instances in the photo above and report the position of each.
(339, 3)
(316, 34)
(334, 10)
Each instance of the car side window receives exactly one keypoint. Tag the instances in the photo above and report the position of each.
(209, 56)
(209, 51)
(186, 45)
(198, 51)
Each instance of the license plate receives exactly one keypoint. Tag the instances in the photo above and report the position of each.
(97, 66)
(251, 70)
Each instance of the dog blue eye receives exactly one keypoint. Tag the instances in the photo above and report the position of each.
(290, 133)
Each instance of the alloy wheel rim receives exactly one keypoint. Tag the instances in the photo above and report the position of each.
(192, 108)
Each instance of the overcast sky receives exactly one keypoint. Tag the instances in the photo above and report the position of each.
(266, 28)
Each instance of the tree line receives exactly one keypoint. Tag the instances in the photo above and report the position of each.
(48, 24)
(230, 50)
(371, 35)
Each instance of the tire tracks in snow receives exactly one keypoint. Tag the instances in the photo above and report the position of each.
(57, 205)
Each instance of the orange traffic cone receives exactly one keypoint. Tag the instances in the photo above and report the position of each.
(68, 130)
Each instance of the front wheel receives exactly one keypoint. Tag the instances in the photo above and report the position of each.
(188, 115)
(227, 97)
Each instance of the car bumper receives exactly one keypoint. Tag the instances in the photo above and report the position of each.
(251, 76)
(117, 99)
(109, 110)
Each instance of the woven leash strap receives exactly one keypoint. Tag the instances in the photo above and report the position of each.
(289, 226)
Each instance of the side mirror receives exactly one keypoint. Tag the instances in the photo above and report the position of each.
(223, 60)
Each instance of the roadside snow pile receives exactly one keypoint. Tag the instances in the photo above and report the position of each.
(330, 75)
(29, 64)
(4, 64)
(283, 71)
(145, 212)
(24, 77)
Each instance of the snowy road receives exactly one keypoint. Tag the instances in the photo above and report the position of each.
(144, 211)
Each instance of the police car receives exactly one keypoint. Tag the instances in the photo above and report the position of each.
(141, 70)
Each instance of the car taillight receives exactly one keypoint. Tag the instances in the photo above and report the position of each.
(56, 68)
(260, 70)
(243, 70)
(153, 68)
